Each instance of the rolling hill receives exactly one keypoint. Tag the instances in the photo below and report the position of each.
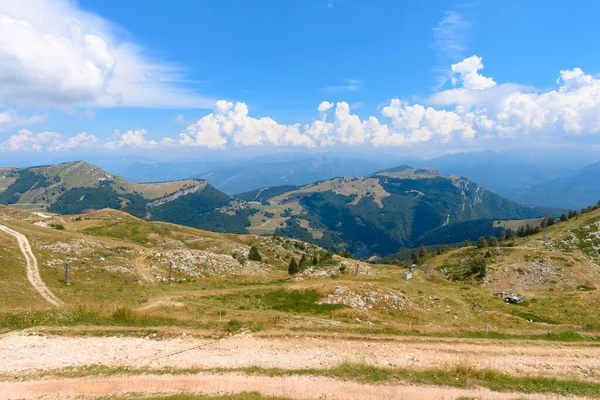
(75, 187)
(381, 213)
(376, 214)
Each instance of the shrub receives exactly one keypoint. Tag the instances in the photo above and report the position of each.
(478, 267)
(254, 255)
(233, 326)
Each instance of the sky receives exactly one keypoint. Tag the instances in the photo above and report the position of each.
(196, 78)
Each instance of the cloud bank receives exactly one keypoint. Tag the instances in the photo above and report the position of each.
(475, 109)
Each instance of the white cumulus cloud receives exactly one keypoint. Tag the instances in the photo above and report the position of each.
(53, 54)
(26, 140)
(325, 106)
(468, 75)
(11, 118)
(477, 108)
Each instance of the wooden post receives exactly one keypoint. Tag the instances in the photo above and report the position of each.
(170, 271)
(357, 267)
(66, 273)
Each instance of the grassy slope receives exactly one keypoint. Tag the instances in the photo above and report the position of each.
(114, 260)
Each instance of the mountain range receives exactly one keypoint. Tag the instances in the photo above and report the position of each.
(373, 214)
(577, 190)
(520, 175)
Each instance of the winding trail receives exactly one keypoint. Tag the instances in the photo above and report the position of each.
(33, 272)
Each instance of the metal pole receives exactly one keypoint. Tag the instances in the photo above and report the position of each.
(170, 271)
(66, 273)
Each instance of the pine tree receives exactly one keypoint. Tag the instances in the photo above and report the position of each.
(502, 236)
(468, 243)
(563, 217)
(315, 260)
(293, 267)
(254, 255)
(481, 243)
(302, 263)
(492, 241)
(415, 257)
(422, 252)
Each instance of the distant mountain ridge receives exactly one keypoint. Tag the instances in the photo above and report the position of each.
(575, 191)
(76, 187)
(241, 179)
(379, 213)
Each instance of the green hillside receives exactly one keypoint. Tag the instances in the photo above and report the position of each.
(397, 208)
(380, 214)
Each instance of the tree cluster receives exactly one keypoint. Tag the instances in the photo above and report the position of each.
(296, 267)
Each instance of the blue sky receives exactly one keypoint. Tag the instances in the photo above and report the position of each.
(424, 78)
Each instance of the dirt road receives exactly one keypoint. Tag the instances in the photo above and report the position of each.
(20, 352)
(33, 273)
(297, 387)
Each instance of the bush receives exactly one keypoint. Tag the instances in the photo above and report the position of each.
(233, 326)
(240, 258)
(481, 243)
(478, 267)
(254, 255)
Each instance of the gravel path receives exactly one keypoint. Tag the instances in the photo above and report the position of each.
(297, 387)
(20, 352)
(33, 272)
